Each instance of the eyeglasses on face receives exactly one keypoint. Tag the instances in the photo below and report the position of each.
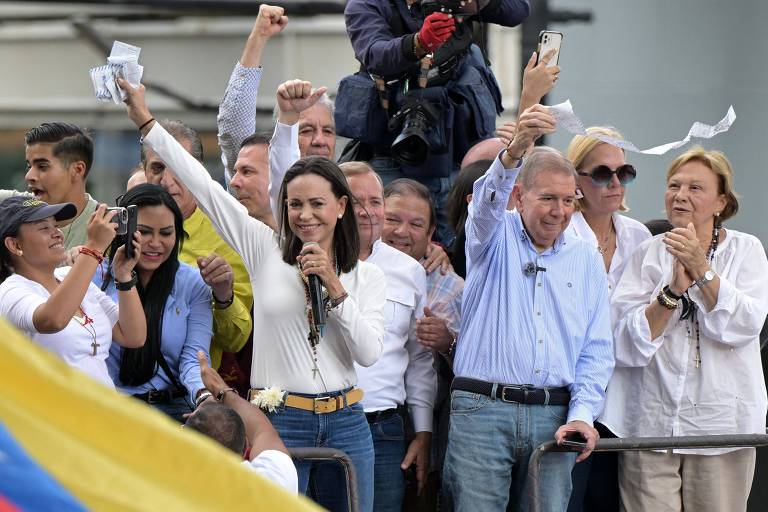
(602, 174)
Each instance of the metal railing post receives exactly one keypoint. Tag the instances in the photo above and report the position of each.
(638, 444)
(332, 455)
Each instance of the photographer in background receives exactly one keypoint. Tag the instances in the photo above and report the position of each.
(424, 94)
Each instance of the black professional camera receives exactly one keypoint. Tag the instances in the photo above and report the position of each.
(418, 117)
(459, 8)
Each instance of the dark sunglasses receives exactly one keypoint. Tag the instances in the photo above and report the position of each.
(602, 174)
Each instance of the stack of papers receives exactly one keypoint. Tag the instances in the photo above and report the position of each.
(123, 62)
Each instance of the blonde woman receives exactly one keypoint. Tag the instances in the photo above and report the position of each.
(604, 175)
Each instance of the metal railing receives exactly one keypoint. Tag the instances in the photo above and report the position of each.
(636, 444)
(332, 455)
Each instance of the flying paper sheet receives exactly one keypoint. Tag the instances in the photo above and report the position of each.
(123, 62)
(565, 117)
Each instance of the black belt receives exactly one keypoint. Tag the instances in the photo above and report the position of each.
(520, 394)
(376, 416)
(161, 396)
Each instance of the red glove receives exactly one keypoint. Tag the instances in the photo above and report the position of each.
(436, 30)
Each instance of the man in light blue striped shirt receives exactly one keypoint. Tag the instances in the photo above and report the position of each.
(535, 351)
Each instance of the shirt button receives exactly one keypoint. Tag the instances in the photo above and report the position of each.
(541, 341)
(538, 313)
(538, 284)
(538, 372)
(610, 287)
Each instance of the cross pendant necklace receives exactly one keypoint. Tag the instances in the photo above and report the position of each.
(86, 323)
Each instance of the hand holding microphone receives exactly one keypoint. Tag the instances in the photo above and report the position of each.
(310, 266)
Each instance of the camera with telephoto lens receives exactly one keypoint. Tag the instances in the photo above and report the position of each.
(459, 8)
(416, 121)
(121, 218)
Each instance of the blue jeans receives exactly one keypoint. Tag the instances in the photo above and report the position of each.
(389, 480)
(346, 430)
(439, 188)
(489, 445)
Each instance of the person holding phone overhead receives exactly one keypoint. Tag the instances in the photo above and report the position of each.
(59, 308)
(177, 304)
(303, 377)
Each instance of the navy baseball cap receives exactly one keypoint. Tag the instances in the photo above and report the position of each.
(18, 210)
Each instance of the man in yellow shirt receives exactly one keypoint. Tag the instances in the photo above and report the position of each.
(221, 267)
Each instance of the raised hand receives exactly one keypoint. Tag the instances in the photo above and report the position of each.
(295, 96)
(538, 79)
(683, 244)
(138, 112)
(101, 229)
(534, 122)
(269, 21)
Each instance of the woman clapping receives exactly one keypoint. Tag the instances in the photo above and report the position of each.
(690, 306)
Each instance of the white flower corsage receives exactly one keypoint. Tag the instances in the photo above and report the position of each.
(269, 399)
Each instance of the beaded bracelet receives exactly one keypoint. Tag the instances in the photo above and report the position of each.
(92, 253)
(666, 301)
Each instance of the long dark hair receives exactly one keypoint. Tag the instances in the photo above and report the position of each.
(346, 239)
(139, 365)
(457, 210)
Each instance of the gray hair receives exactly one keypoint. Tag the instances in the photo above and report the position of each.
(324, 100)
(541, 159)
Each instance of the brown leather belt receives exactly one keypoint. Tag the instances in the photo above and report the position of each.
(320, 405)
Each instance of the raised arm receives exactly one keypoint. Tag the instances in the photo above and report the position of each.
(237, 111)
(130, 331)
(293, 97)
(244, 234)
(491, 192)
(55, 313)
(258, 429)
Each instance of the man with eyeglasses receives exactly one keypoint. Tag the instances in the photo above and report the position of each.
(535, 349)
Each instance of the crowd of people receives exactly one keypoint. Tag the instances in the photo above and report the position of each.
(436, 327)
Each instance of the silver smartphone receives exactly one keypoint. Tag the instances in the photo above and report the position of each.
(549, 40)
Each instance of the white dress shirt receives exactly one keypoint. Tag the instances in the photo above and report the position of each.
(629, 234)
(282, 355)
(656, 389)
(405, 370)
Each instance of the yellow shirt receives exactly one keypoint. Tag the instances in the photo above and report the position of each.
(231, 326)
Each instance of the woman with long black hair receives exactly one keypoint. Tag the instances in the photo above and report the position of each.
(302, 375)
(177, 304)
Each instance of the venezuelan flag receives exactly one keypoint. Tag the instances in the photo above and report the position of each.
(69, 443)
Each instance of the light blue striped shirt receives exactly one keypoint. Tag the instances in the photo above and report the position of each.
(548, 329)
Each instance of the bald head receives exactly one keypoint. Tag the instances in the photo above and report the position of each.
(487, 149)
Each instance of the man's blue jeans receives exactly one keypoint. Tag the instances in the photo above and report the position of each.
(389, 480)
(489, 445)
(347, 430)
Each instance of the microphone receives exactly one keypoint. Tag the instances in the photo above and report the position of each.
(316, 297)
(530, 269)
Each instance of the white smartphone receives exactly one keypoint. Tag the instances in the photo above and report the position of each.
(549, 40)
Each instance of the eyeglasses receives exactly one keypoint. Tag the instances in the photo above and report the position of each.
(602, 174)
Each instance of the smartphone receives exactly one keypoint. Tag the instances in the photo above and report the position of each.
(576, 441)
(130, 230)
(549, 40)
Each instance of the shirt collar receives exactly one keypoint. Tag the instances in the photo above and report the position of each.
(560, 241)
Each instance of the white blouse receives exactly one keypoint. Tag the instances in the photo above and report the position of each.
(282, 355)
(629, 234)
(656, 389)
(75, 344)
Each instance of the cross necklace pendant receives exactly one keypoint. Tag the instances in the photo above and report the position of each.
(86, 323)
